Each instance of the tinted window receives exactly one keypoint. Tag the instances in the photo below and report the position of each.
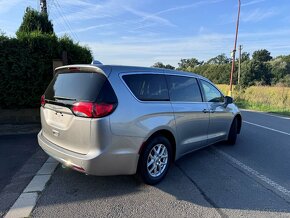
(212, 94)
(184, 89)
(107, 94)
(147, 87)
(79, 86)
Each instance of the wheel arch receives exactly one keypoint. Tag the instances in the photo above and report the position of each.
(167, 134)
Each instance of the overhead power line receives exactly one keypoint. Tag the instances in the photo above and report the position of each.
(64, 22)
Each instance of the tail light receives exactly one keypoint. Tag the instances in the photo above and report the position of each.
(92, 110)
(42, 100)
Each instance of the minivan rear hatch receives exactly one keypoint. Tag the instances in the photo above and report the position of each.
(74, 97)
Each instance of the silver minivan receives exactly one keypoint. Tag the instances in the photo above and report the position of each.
(119, 120)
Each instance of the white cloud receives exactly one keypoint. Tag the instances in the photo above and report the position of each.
(84, 29)
(88, 11)
(150, 17)
(258, 14)
(147, 51)
(156, 15)
(196, 4)
(78, 3)
(253, 16)
(252, 2)
(113, 8)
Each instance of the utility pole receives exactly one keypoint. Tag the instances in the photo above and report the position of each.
(234, 50)
(43, 6)
(240, 57)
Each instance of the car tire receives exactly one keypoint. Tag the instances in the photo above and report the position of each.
(232, 138)
(155, 160)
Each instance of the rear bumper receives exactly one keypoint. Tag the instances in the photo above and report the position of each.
(101, 163)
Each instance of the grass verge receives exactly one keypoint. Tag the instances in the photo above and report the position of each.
(260, 107)
(269, 99)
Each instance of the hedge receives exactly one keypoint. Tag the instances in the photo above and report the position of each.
(26, 66)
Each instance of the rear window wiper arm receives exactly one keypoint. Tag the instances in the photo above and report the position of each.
(64, 98)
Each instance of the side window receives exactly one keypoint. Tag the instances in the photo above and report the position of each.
(147, 87)
(212, 94)
(184, 89)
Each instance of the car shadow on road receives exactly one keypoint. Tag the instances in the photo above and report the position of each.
(201, 179)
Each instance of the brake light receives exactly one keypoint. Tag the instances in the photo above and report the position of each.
(83, 109)
(92, 110)
(42, 100)
(74, 68)
(103, 109)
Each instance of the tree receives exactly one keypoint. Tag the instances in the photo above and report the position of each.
(161, 65)
(262, 55)
(220, 59)
(253, 72)
(218, 73)
(280, 67)
(168, 66)
(286, 80)
(34, 21)
(245, 56)
(188, 64)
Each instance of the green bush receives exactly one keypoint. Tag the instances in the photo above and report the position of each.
(26, 66)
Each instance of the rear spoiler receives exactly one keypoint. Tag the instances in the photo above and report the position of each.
(85, 68)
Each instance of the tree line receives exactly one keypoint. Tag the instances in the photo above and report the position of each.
(259, 69)
(27, 60)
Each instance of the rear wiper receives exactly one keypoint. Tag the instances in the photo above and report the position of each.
(64, 98)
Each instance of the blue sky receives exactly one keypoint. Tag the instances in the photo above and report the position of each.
(142, 32)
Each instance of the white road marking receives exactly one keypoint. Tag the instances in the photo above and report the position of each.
(37, 184)
(281, 117)
(275, 130)
(250, 171)
(27, 200)
(23, 205)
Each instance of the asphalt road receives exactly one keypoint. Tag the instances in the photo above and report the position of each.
(250, 179)
(15, 150)
(20, 159)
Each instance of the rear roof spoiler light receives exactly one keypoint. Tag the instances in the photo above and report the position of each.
(74, 68)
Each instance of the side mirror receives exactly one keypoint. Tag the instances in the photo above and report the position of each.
(228, 100)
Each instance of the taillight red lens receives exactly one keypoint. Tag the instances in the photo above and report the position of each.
(42, 100)
(83, 109)
(101, 110)
(92, 110)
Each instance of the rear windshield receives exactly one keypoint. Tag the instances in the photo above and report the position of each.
(79, 86)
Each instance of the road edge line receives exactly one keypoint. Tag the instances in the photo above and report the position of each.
(265, 127)
(258, 177)
(27, 200)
